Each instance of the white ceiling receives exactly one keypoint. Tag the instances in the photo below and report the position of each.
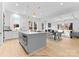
(43, 9)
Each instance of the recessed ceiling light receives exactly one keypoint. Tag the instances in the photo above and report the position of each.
(61, 4)
(17, 4)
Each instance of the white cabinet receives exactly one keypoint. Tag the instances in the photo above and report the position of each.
(10, 35)
(66, 33)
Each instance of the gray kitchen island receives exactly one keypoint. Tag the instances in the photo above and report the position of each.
(32, 41)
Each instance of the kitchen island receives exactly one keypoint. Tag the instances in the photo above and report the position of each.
(32, 41)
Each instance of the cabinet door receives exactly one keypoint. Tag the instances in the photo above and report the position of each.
(14, 34)
(36, 41)
(1, 24)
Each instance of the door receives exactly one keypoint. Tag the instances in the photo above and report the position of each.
(1, 24)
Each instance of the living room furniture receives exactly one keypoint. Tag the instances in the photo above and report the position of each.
(74, 34)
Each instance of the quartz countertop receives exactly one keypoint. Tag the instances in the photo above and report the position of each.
(26, 32)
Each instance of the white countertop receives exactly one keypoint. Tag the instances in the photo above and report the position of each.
(26, 32)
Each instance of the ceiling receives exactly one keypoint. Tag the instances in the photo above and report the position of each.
(42, 9)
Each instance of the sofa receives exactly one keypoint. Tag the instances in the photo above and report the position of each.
(74, 34)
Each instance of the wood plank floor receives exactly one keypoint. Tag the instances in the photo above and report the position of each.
(64, 47)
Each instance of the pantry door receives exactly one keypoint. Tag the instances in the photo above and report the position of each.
(1, 24)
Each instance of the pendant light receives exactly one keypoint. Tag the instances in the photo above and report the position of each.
(33, 14)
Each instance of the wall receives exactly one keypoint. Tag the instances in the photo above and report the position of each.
(9, 20)
(68, 18)
(23, 21)
(1, 24)
(76, 21)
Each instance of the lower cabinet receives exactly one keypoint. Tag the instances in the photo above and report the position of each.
(10, 35)
(66, 34)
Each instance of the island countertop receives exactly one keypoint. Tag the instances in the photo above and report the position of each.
(26, 32)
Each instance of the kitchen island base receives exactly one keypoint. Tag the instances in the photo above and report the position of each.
(32, 41)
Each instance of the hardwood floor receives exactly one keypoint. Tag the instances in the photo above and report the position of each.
(64, 47)
(12, 48)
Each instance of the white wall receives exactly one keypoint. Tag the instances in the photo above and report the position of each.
(68, 18)
(76, 21)
(24, 22)
(1, 24)
(9, 20)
